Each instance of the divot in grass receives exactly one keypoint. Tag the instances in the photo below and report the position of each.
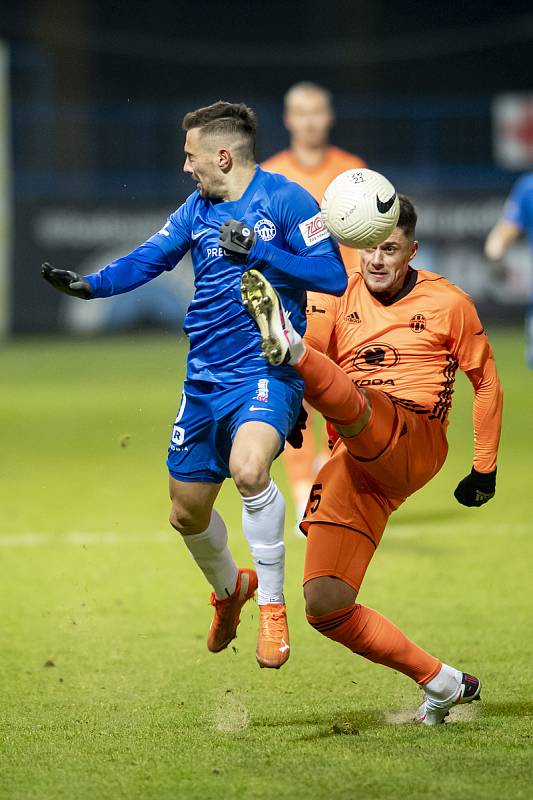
(465, 713)
(399, 717)
(231, 715)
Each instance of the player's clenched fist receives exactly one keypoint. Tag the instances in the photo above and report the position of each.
(476, 489)
(67, 281)
(236, 239)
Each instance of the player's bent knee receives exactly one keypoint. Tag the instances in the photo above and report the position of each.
(327, 594)
(250, 477)
(187, 521)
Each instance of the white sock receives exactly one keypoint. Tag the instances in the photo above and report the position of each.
(297, 349)
(263, 522)
(210, 551)
(444, 687)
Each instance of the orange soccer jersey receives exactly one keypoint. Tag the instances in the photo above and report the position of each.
(410, 348)
(317, 179)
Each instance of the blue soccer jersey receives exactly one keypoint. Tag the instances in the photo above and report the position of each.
(292, 248)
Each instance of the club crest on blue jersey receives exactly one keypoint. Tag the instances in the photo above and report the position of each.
(266, 229)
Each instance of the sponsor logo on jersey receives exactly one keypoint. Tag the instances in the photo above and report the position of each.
(261, 394)
(313, 230)
(417, 323)
(315, 310)
(215, 252)
(378, 355)
(353, 317)
(265, 229)
(373, 382)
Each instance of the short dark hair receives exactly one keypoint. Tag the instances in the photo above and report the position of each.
(408, 217)
(235, 119)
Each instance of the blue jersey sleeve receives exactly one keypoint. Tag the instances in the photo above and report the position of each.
(313, 261)
(519, 205)
(161, 252)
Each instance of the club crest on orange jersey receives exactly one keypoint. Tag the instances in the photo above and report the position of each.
(417, 323)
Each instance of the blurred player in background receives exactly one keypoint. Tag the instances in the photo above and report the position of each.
(236, 411)
(379, 363)
(517, 218)
(313, 163)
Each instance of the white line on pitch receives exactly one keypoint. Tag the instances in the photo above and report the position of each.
(34, 539)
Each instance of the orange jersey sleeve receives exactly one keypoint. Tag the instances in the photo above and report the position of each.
(321, 318)
(487, 415)
(317, 179)
(470, 346)
(467, 338)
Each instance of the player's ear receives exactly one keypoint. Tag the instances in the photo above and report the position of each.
(225, 159)
(414, 250)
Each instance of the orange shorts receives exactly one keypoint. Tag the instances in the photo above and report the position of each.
(366, 478)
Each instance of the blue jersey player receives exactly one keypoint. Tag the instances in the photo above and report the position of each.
(236, 411)
(517, 219)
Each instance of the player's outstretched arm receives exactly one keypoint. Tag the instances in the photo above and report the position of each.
(158, 254)
(479, 486)
(501, 238)
(66, 281)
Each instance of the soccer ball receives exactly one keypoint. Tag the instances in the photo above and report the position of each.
(360, 208)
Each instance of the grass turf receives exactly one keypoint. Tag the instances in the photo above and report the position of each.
(131, 704)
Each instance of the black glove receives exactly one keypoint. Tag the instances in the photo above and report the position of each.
(64, 280)
(236, 239)
(295, 437)
(476, 489)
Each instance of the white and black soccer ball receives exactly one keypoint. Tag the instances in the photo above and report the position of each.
(360, 208)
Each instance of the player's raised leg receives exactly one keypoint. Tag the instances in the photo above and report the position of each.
(206, 537)
(255, 446)
(327, 387)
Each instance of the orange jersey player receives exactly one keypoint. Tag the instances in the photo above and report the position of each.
(379, 363)
(313, 163)
(310, 160)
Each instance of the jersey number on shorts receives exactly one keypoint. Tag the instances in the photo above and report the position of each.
(315, 497)
(178, 433)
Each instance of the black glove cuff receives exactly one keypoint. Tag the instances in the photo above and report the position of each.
(485, 481)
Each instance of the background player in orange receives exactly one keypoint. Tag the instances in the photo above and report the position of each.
(313, 163)
(398, 336)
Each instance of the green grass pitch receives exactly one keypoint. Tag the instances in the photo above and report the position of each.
(108, 690)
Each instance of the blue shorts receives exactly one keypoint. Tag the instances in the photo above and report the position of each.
(210, 415)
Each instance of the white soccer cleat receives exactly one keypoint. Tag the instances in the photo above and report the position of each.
(433, 713)
(280, 343)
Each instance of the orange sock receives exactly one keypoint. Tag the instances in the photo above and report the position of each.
(329, 389)
(369, 634)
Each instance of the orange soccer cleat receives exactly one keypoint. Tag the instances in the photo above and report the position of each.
(273, 648)
(227, 612)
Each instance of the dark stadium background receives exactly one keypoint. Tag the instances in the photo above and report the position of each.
(98, 91)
